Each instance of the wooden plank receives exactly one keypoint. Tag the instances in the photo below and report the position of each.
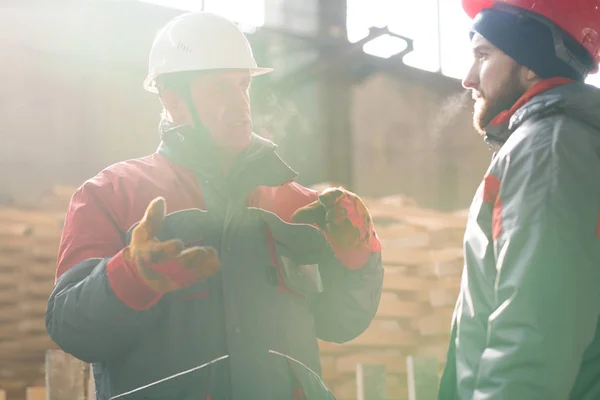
(2, 394)
(32, 326)
(35, 393)
(39, 289)
(429, 219)
(437, 350)
(442, 297)
(64, 376)
(328, 368)
(449, 268)
(15, 229)
(393, 256)
(392, 359)
(422, 376)
(13, 384)
(396, 279)
(436, 323)
(400, 236)
(395, 387)
(452, 237)
(21, 369)
(332, 348)
(383, 338)
(41, 270)
(399, 230)
(391, 307)
(34, 308)
(30, 217)
(45, 252)
(371, 382)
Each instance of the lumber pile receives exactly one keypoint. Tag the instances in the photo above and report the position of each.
(30, 231)
(422, 254)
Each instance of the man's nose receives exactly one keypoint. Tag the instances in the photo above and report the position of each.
(471, 80)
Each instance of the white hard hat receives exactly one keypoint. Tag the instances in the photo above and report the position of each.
(199, 41)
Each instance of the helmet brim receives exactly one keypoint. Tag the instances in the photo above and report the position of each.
(149, 85)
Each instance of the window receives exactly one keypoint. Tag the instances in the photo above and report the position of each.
(439, 29)
(416, 20)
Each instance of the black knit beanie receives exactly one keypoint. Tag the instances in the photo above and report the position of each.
(529, 42)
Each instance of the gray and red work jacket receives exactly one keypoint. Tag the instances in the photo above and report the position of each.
(260, 316)
(526, 323)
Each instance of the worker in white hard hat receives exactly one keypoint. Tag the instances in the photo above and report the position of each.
(204, 271)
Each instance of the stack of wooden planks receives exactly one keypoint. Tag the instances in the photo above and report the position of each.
(29, 235)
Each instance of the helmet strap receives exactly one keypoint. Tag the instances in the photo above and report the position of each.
(201, 131)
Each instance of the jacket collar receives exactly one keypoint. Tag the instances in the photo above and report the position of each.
(501, 127)
(258, 165)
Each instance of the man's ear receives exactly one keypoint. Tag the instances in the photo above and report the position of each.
(529, 78)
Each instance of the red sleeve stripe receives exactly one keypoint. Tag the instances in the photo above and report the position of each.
(491, 196)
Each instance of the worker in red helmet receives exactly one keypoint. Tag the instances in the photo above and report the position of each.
(526, 321)
(205, 271)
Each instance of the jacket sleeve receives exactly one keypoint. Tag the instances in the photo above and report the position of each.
(98, 302)
(548, 278)
(349, 300)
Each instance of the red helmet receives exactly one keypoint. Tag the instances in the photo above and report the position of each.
(579, 18)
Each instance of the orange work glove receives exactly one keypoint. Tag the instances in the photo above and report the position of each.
(167, 266)
(344, 218)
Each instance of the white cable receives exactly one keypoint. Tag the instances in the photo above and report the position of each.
(170, 377)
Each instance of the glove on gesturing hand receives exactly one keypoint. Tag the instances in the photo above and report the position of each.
(166, 266)
(344, 218)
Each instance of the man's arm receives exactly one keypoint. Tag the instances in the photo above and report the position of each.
(353, 275)
(548, 276)
(98, 301)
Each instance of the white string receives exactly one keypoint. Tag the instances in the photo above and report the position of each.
(203, 366)
(296, 361)
(170, 377)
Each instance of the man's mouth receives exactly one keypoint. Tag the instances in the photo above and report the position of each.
(475, 95)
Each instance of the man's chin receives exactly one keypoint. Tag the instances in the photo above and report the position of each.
(480, 118)
(235, 144)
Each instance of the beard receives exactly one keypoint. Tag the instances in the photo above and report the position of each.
(487, 108)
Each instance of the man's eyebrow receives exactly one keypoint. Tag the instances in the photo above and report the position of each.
(482, 48)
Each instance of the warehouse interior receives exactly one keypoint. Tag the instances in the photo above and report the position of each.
(364, 94)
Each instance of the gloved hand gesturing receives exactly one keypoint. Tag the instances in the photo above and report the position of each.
(344, 218)
(167, 266)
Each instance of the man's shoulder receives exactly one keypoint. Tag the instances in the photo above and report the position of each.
(124, 189)
(552, 136)
(127, 172)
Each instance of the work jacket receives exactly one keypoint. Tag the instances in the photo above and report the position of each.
(526, 320)
(248, 332)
